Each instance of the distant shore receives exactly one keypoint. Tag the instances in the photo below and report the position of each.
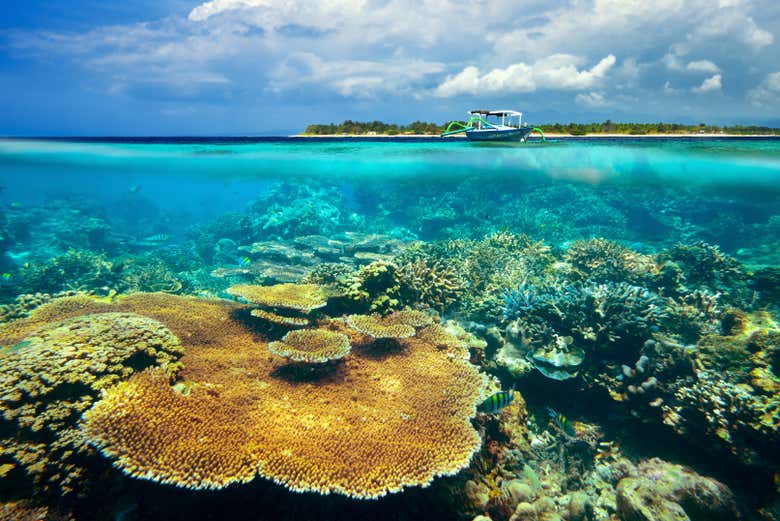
(550, 135)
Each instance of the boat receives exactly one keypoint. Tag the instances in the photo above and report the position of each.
(493, 125)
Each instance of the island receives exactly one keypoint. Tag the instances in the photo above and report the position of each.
(607, 128)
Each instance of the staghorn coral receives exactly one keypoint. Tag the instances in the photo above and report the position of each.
(297, 297)
(311, 346)
(148, 275)
(428, 282)
(375, 426)
(56, 372)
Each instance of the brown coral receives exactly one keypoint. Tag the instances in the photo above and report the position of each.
(275, 318)
(311, 346)
(376, 425)
(376, 326)
(54, 374)
(299, 297)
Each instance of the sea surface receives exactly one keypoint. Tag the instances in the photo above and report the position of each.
(489, 236)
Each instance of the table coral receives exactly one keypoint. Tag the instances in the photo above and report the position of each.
(378, 424)
(49, 378)
(377, 326)
(312, 346)
(299, 297)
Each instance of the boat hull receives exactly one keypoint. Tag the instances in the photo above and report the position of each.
(490, 134)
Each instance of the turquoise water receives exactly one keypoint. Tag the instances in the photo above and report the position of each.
(625, 253)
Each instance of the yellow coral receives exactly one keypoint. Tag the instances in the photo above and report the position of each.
(409, 317)
(275, 318)
(299, 297)
(49, 378)
(374, 426)
(375, 326)
(313, 346)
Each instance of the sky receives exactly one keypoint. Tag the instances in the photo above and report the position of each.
(255, 67)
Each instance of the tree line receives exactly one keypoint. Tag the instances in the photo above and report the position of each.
(574, 129)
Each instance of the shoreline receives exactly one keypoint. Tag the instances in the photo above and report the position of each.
(551, 135)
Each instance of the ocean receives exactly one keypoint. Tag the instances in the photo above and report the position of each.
(153, 289)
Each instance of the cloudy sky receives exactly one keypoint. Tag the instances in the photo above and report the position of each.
(194, 67)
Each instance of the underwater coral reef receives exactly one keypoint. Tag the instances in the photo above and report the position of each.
(327, 352)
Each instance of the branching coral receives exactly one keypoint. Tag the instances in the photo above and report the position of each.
(311, 346)
(73, 270)
(704, 266)
(49, 378)
(428, 282)
(601, 260)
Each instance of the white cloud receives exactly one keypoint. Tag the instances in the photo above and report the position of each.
(669, 89)
(591, 99)
(703, 66)
(768, 93)
(557, 72)
(215, 7)
(711, 84)
(352, 78)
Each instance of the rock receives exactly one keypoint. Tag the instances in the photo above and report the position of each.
(478, 494)
(519, 491)
(544, 504)
(579, 506)
(524, 512)
(666, 492)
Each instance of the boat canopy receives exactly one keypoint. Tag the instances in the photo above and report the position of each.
(499, 113)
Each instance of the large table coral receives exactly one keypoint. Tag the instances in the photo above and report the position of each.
(376, 424)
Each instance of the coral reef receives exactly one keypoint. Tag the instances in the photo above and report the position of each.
(311, 346)
(72, 270)
(388, 421)
(290, 303)
(56, 372)
(601, 260)
(399, 324)
(665, 492)
(298, 297)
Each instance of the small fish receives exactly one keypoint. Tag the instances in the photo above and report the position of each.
(562, 423)
(244, 261)
(160, 237)
(497, 401)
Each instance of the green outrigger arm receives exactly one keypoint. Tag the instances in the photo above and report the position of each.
(464, 127)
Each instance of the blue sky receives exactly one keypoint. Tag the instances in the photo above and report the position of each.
(197, 67)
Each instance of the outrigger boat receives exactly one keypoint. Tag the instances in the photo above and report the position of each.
(503, 128)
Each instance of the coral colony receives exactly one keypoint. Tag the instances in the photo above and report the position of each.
(490, 362)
